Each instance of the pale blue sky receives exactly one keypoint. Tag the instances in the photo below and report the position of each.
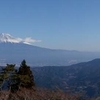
(60, 24)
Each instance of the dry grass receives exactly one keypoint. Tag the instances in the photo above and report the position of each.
(4, 95)
(38, 94)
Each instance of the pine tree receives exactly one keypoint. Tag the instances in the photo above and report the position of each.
(25, 75)
(9, 75)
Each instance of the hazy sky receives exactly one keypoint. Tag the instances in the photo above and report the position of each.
(61, 24)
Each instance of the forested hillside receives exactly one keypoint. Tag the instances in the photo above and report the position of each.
(19, 84)
(82, 77)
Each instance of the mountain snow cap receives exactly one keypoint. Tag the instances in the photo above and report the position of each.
(8, 38)
(5, 38)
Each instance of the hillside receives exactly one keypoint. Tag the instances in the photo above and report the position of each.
(18, 84)
(76, 82)
(82, 77)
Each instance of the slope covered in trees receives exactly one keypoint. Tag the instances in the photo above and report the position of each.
(83, 77)
(20, 85)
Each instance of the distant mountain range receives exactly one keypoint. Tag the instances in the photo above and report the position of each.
(82, 77)
(14, 50)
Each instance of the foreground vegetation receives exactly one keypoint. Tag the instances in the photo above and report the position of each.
(37, 94)
(12, 79)
(41, 94)
(20, 85)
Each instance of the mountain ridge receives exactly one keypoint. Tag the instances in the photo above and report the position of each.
(14, 52)
(82, 77)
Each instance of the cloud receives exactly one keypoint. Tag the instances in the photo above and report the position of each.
(29, 40)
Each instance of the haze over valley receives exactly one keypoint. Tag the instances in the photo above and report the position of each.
(13, 50)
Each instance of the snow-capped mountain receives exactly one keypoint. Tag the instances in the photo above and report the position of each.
(14, 50)
(8, 38)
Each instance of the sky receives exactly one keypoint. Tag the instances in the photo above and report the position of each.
(57, 24)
